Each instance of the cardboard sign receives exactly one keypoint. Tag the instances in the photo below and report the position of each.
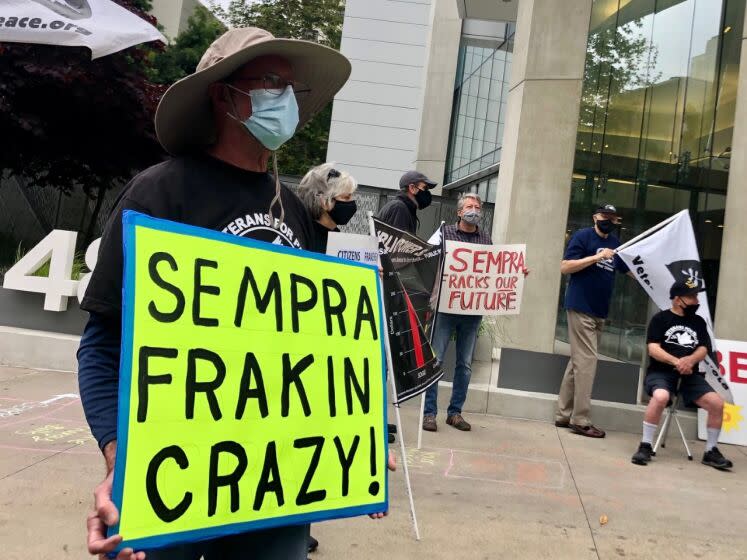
(482, 279)
(251, 388)
(353, 247)
(732, 364)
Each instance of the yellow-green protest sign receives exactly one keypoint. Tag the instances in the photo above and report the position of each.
(251, 386)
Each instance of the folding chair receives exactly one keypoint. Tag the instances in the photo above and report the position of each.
(669, 413)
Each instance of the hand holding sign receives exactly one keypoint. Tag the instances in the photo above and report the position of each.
(103, 515)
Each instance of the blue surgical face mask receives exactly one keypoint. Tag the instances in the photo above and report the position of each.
(274, 116)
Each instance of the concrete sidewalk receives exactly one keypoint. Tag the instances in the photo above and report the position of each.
(508, 489)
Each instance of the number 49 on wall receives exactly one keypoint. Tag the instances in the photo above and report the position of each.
(57, 248)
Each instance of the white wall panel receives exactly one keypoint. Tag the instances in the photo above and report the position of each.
(380, 51)
(385, 73)
(372, 156)
(385, 178)
(405, 33)
(364, 113)
(376, 116)
(373, 135)
(390, 10)
(381, 94)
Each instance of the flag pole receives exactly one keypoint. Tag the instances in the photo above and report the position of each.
(420, 419)
(651, 230)
(397, 415)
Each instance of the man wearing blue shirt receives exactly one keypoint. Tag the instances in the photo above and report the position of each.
(591, 261)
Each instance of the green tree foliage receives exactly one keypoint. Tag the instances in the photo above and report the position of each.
(618, 59)
(68, 120)
(312, 20)
(181, 57)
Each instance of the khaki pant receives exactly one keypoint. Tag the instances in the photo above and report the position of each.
(574, 400)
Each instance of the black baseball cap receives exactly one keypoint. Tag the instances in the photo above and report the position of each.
(606, 209)
(411, 177)
(687, 287)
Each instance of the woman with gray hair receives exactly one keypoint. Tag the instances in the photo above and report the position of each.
(328, 195)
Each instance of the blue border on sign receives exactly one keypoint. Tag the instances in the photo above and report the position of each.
(132, 219)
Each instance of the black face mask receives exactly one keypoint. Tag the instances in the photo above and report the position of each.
(423, 198)
(343, 211)
(691, 310)
(606, 226)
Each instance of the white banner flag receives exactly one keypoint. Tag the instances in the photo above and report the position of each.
(101, 25)
(659, 259)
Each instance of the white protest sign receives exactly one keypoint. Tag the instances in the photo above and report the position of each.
(482, 279)
(353, 247)
(732, 364)
(101, 25)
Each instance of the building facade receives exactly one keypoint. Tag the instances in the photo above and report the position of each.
(173, 15)
(546, 109)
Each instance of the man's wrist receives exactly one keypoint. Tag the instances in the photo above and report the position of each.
(110, 455)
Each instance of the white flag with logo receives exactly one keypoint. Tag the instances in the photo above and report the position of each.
(101, 25)
(659, 257)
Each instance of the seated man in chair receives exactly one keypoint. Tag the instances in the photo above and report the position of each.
(678, 341)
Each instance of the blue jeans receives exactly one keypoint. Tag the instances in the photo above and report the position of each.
(466, 327)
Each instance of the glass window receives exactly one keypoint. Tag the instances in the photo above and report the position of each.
(479, 98)
(654, 134)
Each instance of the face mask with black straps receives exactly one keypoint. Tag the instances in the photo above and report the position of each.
(343, 211)
(690, 310)
(423, 198)
(606, 226)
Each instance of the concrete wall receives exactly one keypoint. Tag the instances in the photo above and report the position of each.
(376, 115)
(731, 319)
(173, 15)
(433, 140)
(537, 157)
(503, 10)
(25, 310)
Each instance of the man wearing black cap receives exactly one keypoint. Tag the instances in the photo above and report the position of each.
(591, 261)
(415, 195)
(678, 341)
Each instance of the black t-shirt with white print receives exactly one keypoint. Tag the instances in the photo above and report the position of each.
(678, 336)
(201, 191)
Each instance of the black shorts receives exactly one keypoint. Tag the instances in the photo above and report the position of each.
(693, 386)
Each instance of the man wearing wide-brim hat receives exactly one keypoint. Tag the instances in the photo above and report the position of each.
(221, 124)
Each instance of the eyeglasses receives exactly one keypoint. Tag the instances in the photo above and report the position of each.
(332, 173)
(276, 85)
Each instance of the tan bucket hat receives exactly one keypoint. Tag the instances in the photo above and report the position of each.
(184, 118)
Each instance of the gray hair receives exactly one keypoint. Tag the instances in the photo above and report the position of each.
(463, 198)
(321, 185)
